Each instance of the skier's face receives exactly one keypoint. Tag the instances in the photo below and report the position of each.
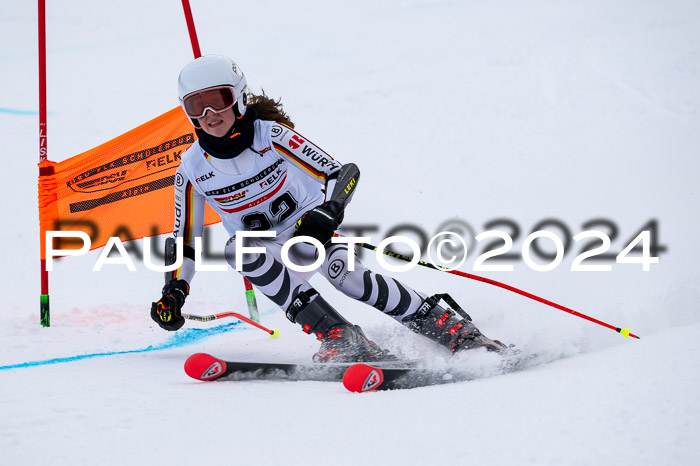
(217, 124)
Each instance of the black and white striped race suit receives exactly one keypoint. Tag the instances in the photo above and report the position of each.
(269, 186)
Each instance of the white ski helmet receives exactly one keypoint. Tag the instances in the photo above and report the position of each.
(211, 71)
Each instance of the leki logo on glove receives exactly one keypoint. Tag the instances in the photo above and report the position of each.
(212, 371)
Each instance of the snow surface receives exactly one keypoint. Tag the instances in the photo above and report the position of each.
(467, 110)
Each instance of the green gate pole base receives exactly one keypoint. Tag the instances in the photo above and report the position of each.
(44, 311)
(252, 305)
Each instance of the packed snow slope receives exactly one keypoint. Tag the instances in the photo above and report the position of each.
(462, 115)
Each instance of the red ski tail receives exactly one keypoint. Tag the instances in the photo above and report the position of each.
(202, 366)
(362, 378)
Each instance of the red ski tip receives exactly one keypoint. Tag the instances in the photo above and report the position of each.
(202, 366)
(362, 378)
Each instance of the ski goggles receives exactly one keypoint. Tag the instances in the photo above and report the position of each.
(216, 99)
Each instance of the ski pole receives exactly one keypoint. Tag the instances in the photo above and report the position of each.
(623, 331)
(274, 333)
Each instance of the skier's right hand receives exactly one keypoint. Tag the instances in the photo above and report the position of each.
(166, 311)
(321, 221)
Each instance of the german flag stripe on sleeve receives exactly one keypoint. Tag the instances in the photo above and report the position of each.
(189, 214)
(188, 239)
(305, 166)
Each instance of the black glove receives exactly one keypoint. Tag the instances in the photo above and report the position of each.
(166, 312)
(321, 221)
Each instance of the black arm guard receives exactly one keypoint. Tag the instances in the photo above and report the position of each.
(348, 176)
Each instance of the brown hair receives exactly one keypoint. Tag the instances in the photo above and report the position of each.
(269, 109)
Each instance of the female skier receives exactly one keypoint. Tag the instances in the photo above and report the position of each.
(258, 173)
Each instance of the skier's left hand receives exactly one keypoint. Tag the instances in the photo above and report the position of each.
(320, 222)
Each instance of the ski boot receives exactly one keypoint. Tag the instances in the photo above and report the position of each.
(348, 343)
(340, 340)
(453, 330)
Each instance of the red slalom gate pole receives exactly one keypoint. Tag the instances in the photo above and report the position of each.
(623, 331)
(191, 28)
(44, 315)
(249, 292)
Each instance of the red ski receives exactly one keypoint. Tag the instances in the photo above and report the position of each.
(205, 367)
